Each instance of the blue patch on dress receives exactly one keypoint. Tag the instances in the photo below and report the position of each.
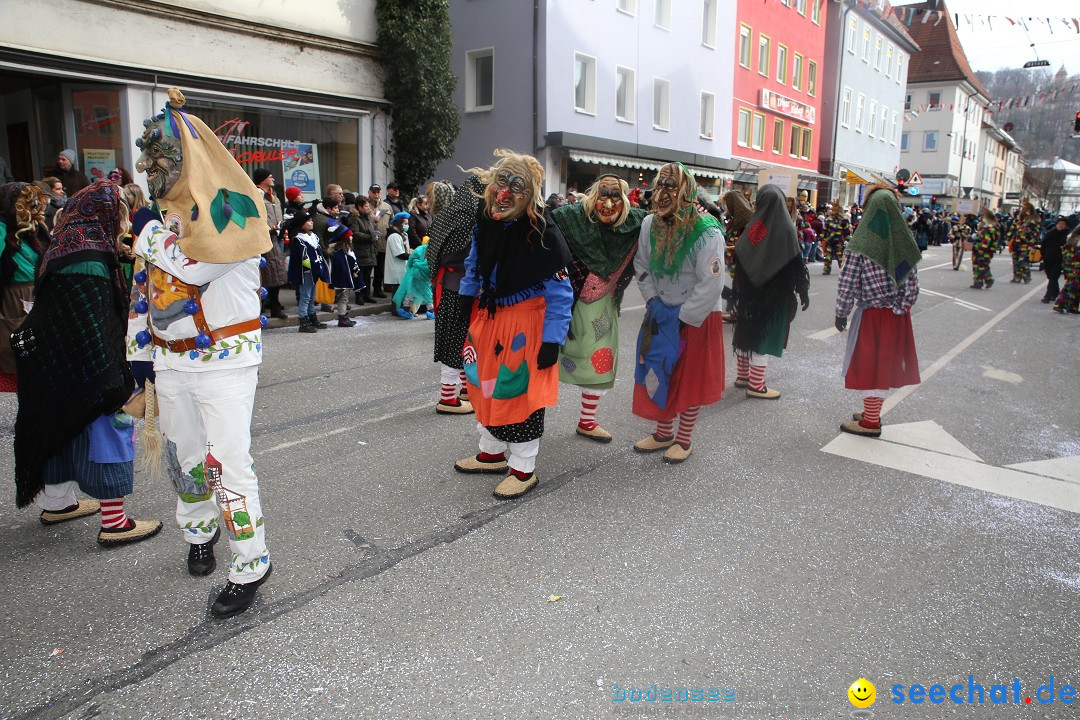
(518, 342)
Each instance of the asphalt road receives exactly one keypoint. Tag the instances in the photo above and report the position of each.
(764, 567)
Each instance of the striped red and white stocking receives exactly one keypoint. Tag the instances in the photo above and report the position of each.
(687, 419)
(589, 401)
(757, 378)
(871, 417)
(113, 515)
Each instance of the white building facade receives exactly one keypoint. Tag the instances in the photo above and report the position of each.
(618, 86)
(279, 81)
(866, 71)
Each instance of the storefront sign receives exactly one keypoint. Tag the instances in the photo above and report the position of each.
(933, 186)
(1012, 196)
(248, 149)
(783, 105)
(98, 163)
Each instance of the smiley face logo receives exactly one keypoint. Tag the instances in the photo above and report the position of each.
(862, 693)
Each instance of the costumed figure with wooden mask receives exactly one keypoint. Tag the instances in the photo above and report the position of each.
(880, 281)
(602, 232)
(837, 232)
(1025, 234)
(983, 248)
(770, 281)
(201, 242)
(516, 273)
(680, 347)
(453, 218)
(71, 431)
(24, 236)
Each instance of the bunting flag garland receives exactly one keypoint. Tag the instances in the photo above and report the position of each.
(910, 15)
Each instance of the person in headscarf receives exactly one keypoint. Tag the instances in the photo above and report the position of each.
(739, 211)
(680, 347)
(451, 239)
(1068, 300)
(1025, 234)
(516, 272)
(879, 279)
(414, 291)
(202, 243)
(23, 237)
(73, 376)
(769, 274)
(602, 232)
(67, 171)
(837, 232)
(982, 251)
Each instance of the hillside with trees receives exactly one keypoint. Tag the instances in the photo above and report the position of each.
(1043, 125)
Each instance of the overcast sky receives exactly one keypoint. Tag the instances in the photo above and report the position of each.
(1008, 46)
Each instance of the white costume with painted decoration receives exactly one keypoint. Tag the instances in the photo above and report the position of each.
(206, 396)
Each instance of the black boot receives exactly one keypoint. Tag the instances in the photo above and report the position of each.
(358, 298)
(236, 598)
(306, 326)
(314, 320)
(200, 558)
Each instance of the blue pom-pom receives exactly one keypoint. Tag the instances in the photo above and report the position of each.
(140, 277)
(263, 292)
(263, 320)
(194, 354)
(262, 263)
(202, 341)
(191, 307)
(141, 307)
(142, 338)
(258, 346)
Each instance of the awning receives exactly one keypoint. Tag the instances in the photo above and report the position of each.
(853, 178)
(613, 160)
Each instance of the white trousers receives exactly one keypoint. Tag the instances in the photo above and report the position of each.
(55, 498)
(522, 456)
(449, 375)
(209, 413)
(754, 358)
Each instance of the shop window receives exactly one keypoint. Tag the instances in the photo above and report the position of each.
(98, 140)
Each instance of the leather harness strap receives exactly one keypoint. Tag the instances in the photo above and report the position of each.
(188, 344)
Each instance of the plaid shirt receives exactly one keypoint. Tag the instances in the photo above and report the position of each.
(866, 282)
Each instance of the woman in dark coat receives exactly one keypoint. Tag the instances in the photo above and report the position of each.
(362, 224)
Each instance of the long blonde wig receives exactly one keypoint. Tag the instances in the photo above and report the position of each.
(592, 195)
(524, 165)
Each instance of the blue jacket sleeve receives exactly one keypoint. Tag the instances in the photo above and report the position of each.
(559, 300)
(470, 282)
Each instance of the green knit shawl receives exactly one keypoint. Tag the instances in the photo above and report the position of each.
(599, 247)
(884, 237)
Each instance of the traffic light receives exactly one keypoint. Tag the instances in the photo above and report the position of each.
(1076, 123)
(933, 201)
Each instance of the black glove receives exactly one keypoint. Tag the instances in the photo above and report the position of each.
(805, 299)
(465, 305)
(841, 323)
(548, 355)
(141, 218)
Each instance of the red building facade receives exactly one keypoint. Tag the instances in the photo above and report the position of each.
(779, 52)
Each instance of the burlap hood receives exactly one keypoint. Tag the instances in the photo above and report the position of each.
(221, 212)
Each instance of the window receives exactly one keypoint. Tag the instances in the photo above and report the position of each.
(661, 98)
(807, 136)
(708, 104)
(781, 64)
(663, 14)
(777, 136)
(930, 141)
(815, 11)
(907, 103)
(479, 80)
(884, 120)
(845, 108)
(625, 95)
(866, 44)
(811, 78)
(904, 138)
(877, 51)
(852, 27)
(796, 141)
(934, 102)
(796, 72)
(744, 127)
(888, 61)
(800, 7)
(584, 83)
(744, 45)
(899, 67)
(859, 112)
(758, 140)
(708, 23)
(871, 119)
(763, 54)
(628, 6)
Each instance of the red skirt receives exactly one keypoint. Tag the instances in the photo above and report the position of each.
(698, 378)
(884, 353)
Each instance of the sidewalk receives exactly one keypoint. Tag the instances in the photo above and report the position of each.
(288, 301)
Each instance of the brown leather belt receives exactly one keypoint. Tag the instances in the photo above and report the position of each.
(188, 344)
